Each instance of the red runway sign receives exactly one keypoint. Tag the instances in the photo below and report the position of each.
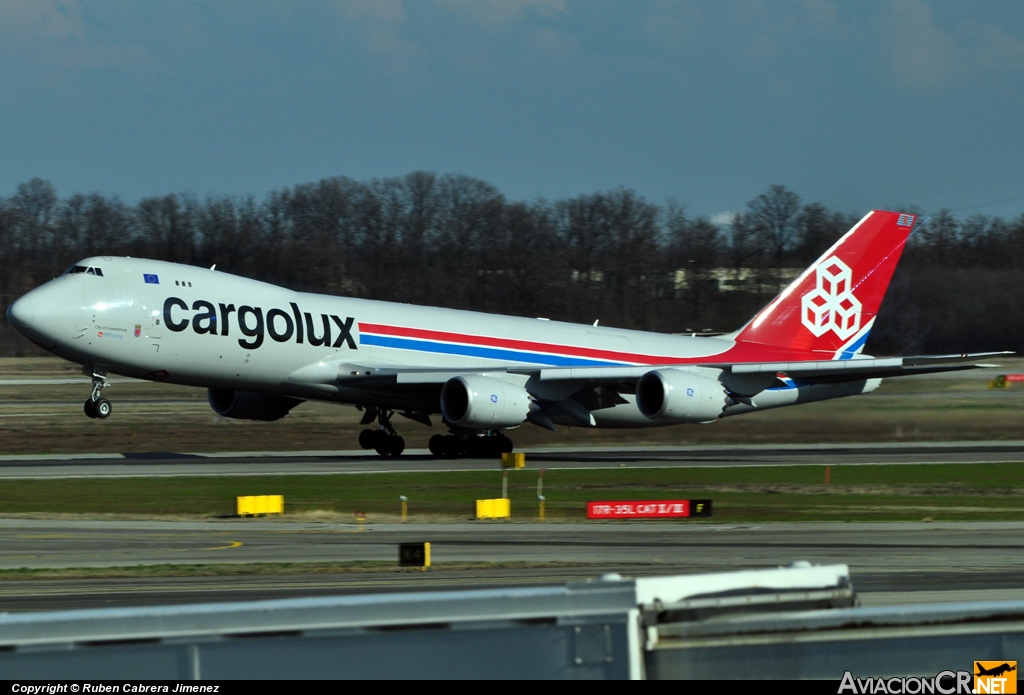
(648, 509)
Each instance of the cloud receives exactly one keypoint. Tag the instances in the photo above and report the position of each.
(723, 218)
(927, 56)
(922, 53)
(379, 10)
(52, 33)
(382, 24)
(498, 13)
(40, 19)
(993, 48)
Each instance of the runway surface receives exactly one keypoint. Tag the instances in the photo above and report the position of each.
(333, 462)
(890, 562)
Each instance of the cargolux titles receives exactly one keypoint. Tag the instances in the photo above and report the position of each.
(254, 325)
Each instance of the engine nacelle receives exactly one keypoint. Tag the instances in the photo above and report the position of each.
(247, 405)
(483, 402)
(680, 396)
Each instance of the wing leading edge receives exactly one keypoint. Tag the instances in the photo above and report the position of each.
(822, 371)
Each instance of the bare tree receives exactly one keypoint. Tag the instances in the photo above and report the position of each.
(695, 247)
(772, 216)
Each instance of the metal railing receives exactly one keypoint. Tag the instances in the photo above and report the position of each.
(794, 622)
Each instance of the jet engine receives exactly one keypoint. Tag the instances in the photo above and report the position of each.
(248, 405)
(483, 402)
(680, 396)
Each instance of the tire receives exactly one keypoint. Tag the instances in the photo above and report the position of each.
(383, 444)
(494, 447)
(396, 445)
(505, 446)
(366, 439)
(476, 447)
(103, 408)
(90, 408)
(437, 445)
(452, 447)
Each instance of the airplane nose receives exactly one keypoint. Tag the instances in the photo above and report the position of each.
(21, 313)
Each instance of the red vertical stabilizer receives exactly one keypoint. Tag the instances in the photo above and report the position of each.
(831, 307)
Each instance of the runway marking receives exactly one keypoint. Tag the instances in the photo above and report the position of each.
(232, 544)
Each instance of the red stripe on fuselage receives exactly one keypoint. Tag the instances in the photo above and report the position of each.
(513, 344)
(739, 353)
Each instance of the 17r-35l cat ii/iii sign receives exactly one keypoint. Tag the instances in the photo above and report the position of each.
(649, 509)
(261, 350)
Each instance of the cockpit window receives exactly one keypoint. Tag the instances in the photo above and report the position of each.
(76, 269)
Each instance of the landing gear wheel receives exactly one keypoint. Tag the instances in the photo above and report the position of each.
(489, 447)
(389, 444)
(476, 447)
(453, 448)
(366, 438)
(396, 445)
(437, 445)
(103, 408)
(380, 442)
(90, 408)
(505, 445)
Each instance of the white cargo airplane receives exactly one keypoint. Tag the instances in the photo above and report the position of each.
(261, 350)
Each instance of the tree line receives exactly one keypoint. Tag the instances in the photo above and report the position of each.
(456, 241)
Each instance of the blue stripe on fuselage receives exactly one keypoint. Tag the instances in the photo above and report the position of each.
(485, 352)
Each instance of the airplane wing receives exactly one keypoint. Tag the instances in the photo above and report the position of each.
(368, 376)
(570, 395)
(821, 371)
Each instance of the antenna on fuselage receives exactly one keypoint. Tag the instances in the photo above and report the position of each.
(213, 267)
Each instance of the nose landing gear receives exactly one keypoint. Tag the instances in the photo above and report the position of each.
(96, 406)
(384, 441)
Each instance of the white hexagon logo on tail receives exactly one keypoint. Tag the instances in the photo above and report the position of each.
(831, 305)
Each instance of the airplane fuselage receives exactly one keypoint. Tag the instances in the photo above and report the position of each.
(193, 326)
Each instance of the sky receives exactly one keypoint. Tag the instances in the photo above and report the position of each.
(854, 104)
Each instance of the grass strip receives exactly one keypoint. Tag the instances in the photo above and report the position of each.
(985, 491)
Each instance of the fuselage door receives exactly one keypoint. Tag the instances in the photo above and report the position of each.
(153, 326)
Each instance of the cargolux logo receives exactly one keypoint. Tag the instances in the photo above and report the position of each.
(254, 325)
(831, 305)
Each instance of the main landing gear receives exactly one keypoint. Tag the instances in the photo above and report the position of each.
(384, 441)
(492, 445)
(97, 407)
